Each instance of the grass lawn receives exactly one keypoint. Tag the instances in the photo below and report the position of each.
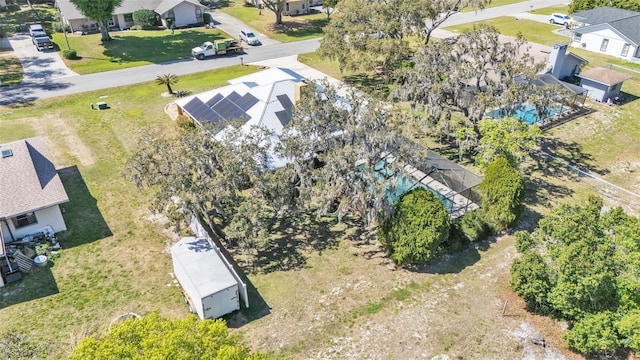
(114, 259)
(533, 31)
(294, 28)
(495, 3)
(134, 48)
(16, 15)
(11, 71)
(563, 9)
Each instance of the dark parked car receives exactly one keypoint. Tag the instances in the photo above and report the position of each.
(42, 41)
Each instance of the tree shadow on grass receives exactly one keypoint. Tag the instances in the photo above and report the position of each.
(296, 237)
(157, 49)
(371, 84)
(38, 283)
(570, 152)
(301, 28)
(84, 220)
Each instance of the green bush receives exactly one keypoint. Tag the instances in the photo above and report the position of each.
(136, 27)
(419, 226)
(472, 226)
(70, 54)
(145, 16)
(501, 191)
(185, 122)
(206, 18)
(57, 27)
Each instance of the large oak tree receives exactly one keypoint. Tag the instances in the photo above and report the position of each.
(100, 11)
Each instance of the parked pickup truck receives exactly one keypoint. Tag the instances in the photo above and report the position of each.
(36, 29)
(42, 41)
(218, 47)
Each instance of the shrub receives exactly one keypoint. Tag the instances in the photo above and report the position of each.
(206, 18)
(472, 226)
(502, 192)
(185, 122)
(70, 54)
(420, 224)
(145, 16)
(57, 27)
(136, 27)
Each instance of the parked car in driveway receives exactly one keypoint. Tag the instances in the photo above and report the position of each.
(249, 37)
(42, 41)
(36, 29)
(560, 19)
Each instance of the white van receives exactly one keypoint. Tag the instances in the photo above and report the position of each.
(560, 19)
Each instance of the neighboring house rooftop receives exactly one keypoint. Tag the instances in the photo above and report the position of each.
(604, 76)
(625, 22)
(28, 179)
(70, 12)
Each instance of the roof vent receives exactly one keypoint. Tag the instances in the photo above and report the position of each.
(6, 153)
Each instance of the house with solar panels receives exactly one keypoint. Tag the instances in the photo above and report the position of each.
(264, 99)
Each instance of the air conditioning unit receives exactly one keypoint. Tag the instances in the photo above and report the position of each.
(584, 45)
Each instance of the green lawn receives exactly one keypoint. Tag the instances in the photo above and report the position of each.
(134, 48)
(495, 3)
(16, 15)
(294, 28)
(114, 259)
(11, 71)
(533, 31)
(563, 9)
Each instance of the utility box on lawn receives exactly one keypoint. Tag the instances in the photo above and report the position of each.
(210, 284)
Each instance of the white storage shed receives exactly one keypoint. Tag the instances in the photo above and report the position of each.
(211, 286)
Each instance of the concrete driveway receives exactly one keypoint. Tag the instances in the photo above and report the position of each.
(232, 26)
(39, 66)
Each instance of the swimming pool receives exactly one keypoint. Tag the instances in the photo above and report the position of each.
(526, 113)
(405, 183)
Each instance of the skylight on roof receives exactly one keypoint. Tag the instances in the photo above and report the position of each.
(6, 153)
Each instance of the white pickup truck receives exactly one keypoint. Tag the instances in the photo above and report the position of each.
(218, 47)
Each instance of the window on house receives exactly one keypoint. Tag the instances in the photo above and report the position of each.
(24, 220)
(625, 50)
(286, 7)
(605, 43)
(577, 37)
(128, 17)
(302, 6)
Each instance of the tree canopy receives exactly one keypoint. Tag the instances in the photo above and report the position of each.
(155, 337)
(510, 138)
(582, 264)
(580, 5)
(417, 228)
(100, 11)
(145, 16)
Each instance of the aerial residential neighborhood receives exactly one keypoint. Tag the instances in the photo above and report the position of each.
(337, 179)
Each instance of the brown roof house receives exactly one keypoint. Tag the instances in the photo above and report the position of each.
(30, 190)
(181, 12)
(602, 84)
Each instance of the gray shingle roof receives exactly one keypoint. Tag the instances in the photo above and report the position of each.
(604, 76)
(626, 22)
(70, 12)
(28, 179)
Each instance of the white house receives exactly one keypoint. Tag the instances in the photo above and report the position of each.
(563, 64)
(180, 12)
(292, 7)
(608, 30)
(602, 84)
(263, 99)
(30, 190)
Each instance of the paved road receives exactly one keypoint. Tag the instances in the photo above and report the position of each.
(31, 90)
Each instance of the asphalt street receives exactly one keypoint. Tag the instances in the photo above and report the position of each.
(37, 87)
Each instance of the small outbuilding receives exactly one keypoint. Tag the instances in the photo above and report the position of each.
(602, 84)
(211, 286)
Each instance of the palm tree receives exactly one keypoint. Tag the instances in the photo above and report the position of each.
(167, 79)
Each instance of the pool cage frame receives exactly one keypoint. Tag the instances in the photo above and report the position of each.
(433, 168)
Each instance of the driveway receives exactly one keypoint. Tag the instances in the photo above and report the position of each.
(232, 26)
(39, 66)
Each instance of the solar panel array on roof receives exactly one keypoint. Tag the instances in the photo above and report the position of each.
(246, 102)
(228, 110)
(200, 111)
(233, 96)
(214, 100)
(284, 116)
(285, 101)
